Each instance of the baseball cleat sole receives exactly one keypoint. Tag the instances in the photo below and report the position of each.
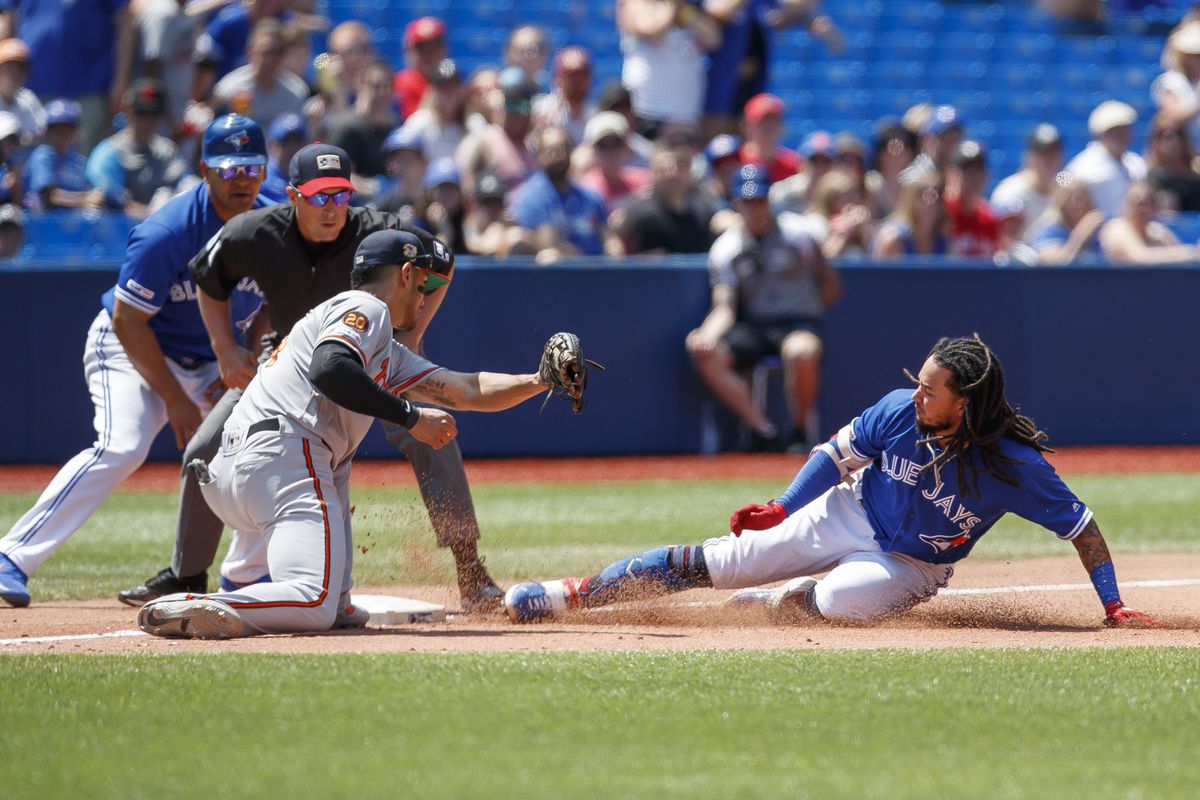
(190, 619)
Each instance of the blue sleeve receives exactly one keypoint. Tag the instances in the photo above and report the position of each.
(104, 170)
(39, 170)
(872, 428)
(145, 278)
(529, 210)
(814, 479)
(1043, 498)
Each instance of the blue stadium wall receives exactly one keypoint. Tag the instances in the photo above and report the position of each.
(1096, 355)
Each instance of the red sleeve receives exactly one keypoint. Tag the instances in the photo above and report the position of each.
(409, 87)
(785, 165)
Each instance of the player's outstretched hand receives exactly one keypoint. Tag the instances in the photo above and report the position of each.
(1118, 615)
(184, 416)
(435, 428)
(238, 366)
(757, 517)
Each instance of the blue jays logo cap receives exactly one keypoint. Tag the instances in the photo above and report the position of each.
(320, 168)
(400, 247)
(722, 147)
(750, 182)
(233, 141)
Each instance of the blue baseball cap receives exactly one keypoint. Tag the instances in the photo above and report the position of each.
(63, 111)
(233, 141)
(942, 119)
(286, 125)
(398, 139)
(750, 182)
(722, 146)
(441, 170)
(817, 143)
(393, 246)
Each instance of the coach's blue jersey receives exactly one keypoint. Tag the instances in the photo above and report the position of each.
(915, 514)
(155, 277)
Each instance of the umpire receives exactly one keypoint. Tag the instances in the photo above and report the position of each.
(300, 254)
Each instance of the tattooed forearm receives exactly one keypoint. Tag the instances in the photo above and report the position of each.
(1092, 549)
(433, 390)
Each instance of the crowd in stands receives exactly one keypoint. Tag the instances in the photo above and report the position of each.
(101, 107)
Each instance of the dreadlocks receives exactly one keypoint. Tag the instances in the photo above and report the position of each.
(977, 376)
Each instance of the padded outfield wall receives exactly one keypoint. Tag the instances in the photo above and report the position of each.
(1097, 355)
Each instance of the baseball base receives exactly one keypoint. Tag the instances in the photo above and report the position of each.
(388, 610)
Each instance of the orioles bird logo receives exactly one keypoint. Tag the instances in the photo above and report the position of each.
(238, 140)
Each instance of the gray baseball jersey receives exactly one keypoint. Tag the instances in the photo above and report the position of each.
(773, 275)
(282, 388)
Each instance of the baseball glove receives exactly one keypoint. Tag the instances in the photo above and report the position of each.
(564, 369)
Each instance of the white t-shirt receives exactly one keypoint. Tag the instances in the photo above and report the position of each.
(1176, 83)
(437, 141)
(1107, 178)
(282, 388)
(666, 77)
(286, 96)
(29, 111)
(1016, 187)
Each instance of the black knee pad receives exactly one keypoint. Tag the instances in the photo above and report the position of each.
(687, 561)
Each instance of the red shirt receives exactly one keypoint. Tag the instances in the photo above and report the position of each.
(409, 87)
(974, 233)
(785, 163)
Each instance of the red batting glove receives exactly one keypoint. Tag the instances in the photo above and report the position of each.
(1117, 615)
(757, 517)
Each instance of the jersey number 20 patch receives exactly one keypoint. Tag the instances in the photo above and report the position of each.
(356, 321)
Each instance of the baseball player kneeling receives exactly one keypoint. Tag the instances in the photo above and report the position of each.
(887, 507)
(283, 469)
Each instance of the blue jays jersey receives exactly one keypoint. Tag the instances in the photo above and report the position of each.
(924, 515)
(154, 277)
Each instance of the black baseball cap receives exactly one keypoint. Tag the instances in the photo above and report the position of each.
(319, 168)
(400, 247)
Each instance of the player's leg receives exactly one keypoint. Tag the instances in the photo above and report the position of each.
(245, 561)
(721, 370)
(128, 415)
(868, 586)
(800, 353)
(446, 492)
(348, 616)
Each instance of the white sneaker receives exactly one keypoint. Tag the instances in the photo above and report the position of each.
(791, 602)
(202, 618)
(531, 601)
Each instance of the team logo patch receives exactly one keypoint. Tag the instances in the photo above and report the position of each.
(357, 321)
(138, 289)
(359, 259)
(410, 250)
(329, 161)
(941, 544)
(439, 250)
(238, 140)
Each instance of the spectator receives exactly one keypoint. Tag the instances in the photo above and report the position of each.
(83, 51)
(485, 99)
(500, 148)
(770, 288)
(12, 184)
(298, 60)
(723, 162)
(1010, 224)
(663, 42)
(616, 182)
(424, 49)
(844, 215)
(14, 97)
(340, 76)
(405, 167)
(675, 217)
(1107, 165)
(167, 37)
(286, 135)
(1136, 237)
(919, 225)
(231, 28)
(1176, 92)
(1068, 230)
(527, 50)
(486, 228)
(796, 192)
(55, 174)
(136, 167)
(850, 156)
(762, 127)
(1170, 160)
(895, 149)
(562, 218)
(616, 98)
(198, 113)
(362, 131)
(941, 134)
(12, 231)
(441, 121)
(262, 89)
(567, 105)
(973, 229)
(443, 201)
(1031, 186)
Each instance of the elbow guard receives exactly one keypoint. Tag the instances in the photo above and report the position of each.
(842, 451)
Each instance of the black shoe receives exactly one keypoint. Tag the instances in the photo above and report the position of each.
(765, 444)
(478, 591)
(161, 585)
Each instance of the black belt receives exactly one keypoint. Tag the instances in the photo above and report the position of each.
(269, 424)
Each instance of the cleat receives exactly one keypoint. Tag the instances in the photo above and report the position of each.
(163, 584)
(529, 602)
(478, 591)
(202, 618)
(12, 583)
(792, 602)
(352, 617)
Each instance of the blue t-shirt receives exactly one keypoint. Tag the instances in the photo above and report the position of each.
(154, 277)
(48, 169)
(230, 28)
(577, 214)
(70, 44)
(912, 513)
(1057, 233)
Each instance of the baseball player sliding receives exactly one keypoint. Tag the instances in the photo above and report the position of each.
(283, 468)
(887, 506)
(148, 361)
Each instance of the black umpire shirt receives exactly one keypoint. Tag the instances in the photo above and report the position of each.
(295, 275)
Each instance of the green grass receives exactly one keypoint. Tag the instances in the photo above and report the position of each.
(695, 724)
(540, 530)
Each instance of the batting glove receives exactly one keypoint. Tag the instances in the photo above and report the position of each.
(1118, 615)
(757, 517)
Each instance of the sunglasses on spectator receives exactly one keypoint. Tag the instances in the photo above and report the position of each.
(321, 198)
(249, 170)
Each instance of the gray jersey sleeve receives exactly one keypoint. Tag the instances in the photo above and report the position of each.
(361, 321)
(405, 369)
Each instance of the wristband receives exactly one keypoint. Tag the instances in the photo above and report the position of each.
(412, 416)
(1105, 581)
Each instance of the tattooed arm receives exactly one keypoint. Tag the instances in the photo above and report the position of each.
(1092, 549)
(477, 391)
(1093, 552)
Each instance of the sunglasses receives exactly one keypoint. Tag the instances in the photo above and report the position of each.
(249, 170)
(321, 198)
(433, 280)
